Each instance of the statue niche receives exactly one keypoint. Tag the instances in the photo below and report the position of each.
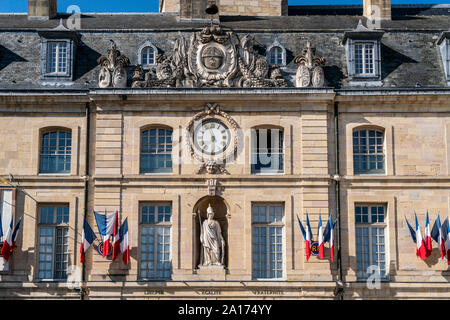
(211, 228)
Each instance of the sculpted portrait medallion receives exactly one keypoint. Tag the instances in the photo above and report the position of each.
(212, 57)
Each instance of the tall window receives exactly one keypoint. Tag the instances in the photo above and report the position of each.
(267, 151)
(267, 241)
(368, 151)
(370, 239)
(276, 56)
(57, 58)
(53, 252)
(364, 59)
(156, 151)
(56, 151)
(155, 241)
(148, 56)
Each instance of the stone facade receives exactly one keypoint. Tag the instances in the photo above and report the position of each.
(317, 178)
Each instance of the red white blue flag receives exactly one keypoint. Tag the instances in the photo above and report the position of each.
(428, 244)
(116, 239)
(307, 236)
(320, 238)
(421, 251)
(10, 240)
(105, 224)
(87, 238)
(446, 234)
(328, 236)
(436, 235)
(124, 243)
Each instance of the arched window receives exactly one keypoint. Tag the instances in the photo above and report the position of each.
(148, 56)
(267, 150)
(368, 151)
(276, 56)
(56, 151)
(156, 150)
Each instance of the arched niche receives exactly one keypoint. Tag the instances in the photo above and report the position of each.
(221, 214)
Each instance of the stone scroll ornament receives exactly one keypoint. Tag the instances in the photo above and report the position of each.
(310, 68)
(113, 72)
(212, 58)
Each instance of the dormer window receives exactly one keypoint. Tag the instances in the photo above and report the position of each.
(58, 47)
(444, 46)
(57, 58)
(364, 59)
(362, 47)
(276, 54)
(147, 55)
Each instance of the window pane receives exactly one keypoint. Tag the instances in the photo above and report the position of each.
(155, 258)
(56, 152)
(267, 151)
(368, 153)
(156, 151)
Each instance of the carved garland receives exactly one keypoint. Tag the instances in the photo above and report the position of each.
(212, 110)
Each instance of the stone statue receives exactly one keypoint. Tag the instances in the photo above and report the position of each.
(213, 244)
(112, 69)
(310, 68)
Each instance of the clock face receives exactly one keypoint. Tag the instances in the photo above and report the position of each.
(212, 137)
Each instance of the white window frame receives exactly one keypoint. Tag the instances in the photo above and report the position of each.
(276, 44)
(267, 226)
(141, 49)
(254, 152)
(54, 226)
(364, 61)
(58, 57)
(155, 225)
(370, 226)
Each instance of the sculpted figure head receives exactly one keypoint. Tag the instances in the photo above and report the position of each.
(210, 212)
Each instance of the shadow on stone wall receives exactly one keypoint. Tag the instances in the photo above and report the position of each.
(391, 60)
(7, 57)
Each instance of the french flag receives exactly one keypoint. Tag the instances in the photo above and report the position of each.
(124, 244)
(87, 238)
(308, 238)
(428, 245)
(328, 236)
(116, 239)
(320, 237)
(306, 235)
(436, 235)
(105, 224)
(10, 241)
(421, 249)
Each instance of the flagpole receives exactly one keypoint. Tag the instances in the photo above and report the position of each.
(86, 195)
(339, 290)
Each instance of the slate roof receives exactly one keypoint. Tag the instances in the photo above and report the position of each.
(410, 57)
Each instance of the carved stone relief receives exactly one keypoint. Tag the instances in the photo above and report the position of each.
(112, 69)
(310, 68)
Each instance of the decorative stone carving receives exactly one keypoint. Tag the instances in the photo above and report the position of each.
(214, 188)
(212, 164)
(212, 241)
(213, 58)
(112, 69)
(310, 68)
(211, 167)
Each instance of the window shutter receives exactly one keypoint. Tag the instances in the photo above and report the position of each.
(447, 58)
(377, 58)
(350, 48)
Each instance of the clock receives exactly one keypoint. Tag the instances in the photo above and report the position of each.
(212, 137)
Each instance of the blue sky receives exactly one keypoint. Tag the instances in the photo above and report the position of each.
(152, 5)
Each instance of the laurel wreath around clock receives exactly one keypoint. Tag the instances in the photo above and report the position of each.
(212, 111)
